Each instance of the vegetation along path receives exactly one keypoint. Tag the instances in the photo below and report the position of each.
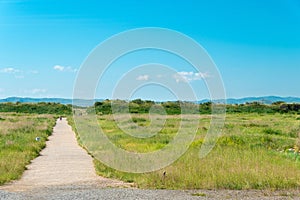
(65, 171)
(62, 162)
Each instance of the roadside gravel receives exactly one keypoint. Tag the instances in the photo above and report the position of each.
(75, 192)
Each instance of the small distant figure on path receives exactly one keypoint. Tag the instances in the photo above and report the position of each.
(60, 118)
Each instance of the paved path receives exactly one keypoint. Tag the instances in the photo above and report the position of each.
(62, 162)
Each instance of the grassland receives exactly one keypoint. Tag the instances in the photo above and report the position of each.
(254, 152)
(17, 141)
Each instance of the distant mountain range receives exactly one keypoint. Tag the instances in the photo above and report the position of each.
(35, 100)
(265, 100)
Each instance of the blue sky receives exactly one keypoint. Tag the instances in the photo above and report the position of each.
(255, 44)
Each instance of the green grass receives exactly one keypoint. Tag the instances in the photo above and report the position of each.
(17, 141)
(199, 194)
(251, 154)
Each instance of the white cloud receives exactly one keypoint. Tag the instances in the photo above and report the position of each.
(143, 78)
(59, 68)
(70, 69)
(9, 70)
(19, 76)
(189, 76)
(1, 90)
(35, 91)
(33, 72)
(64, 69)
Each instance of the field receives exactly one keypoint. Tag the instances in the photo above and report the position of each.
(256, 151)
(17, 141)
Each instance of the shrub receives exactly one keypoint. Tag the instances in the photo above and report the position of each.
(37, 108)
(270, 131)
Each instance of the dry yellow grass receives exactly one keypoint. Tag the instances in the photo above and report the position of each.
(13, 121)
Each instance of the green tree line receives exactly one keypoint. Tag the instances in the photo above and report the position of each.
(38, 108)
(146, 106)
(178, 107)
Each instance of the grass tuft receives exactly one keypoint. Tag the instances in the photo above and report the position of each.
(199, 194)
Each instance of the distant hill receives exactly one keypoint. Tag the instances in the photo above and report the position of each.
(35, 100)
(265, 100)
(50, 100)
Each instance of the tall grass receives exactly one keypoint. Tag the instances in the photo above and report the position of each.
(249, 155)
(227, 168)
(17, 141)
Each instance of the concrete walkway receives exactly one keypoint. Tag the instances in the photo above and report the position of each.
(62, 162)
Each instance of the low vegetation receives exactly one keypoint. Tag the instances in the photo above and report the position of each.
(18, 145)
(256, 151)
(259, 148)
(174, 107)
(38, 108)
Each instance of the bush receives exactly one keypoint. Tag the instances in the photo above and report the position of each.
(176, 107)
(270, 131)
(37, 108)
